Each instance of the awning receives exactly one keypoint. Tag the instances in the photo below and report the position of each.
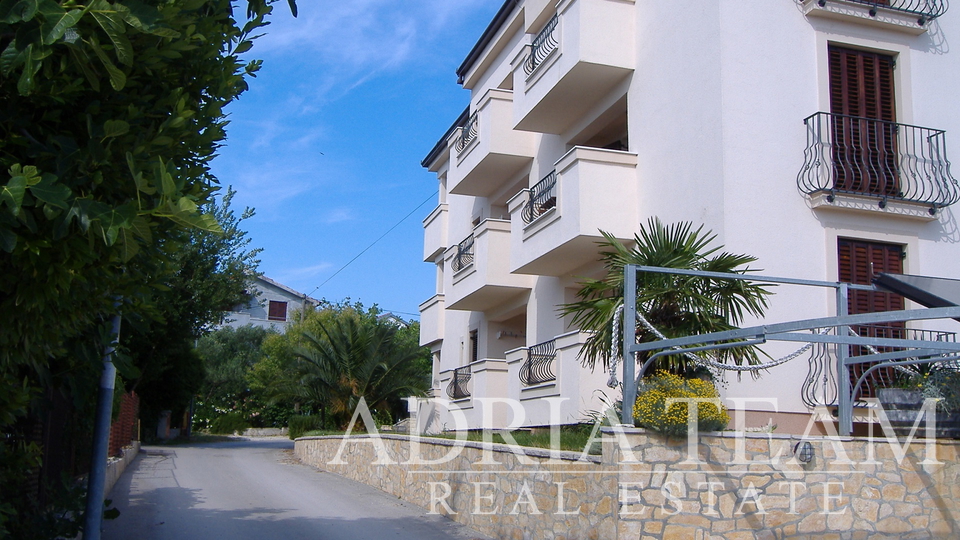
(931, 292)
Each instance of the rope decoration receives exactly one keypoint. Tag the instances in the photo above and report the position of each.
(618, 315)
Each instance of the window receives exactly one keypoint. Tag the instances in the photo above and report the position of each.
(862, 104)
(474, 347)
(278, 311)
(859, 262)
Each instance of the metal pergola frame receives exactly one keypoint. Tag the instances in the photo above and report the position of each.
(917, 351)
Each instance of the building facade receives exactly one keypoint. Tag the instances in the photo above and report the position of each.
(272, 306)
(811, 134)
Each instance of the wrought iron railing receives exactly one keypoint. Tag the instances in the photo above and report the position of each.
(538, 367)
(820, 386)
(457, 389)
(543, 197)
(925, 10)
(468, 132)
(544, 44)
(877, 159)
(464, 256)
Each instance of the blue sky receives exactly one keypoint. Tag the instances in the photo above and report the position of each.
(327, 143)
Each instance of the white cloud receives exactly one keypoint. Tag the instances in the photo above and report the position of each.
(338, 215)
(304, 272)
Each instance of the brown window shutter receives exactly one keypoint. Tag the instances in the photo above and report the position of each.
(278, 311)
(858, 262)
(865, 136)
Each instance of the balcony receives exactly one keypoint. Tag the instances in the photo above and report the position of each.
(911, 16)
(538, 367)
(552, 369)
(876, 166)
(573, 63)
(431, 320)
(435, 233)
(487, 151)
(557, 222)
(481, 278)
(459, 385)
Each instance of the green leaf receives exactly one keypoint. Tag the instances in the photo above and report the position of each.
(117, 79)
(112, 23)
(51, 192)
(8, 239)
(82, 60)
(11, 57)
(9, 13)
(14, 11)
(12, 193)
(141, 227)
(115, 128)
(167, 184)
(30, 68)
(243, 47)
(128, 245)
(56, 21)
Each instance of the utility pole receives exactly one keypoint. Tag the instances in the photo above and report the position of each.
(101, 437)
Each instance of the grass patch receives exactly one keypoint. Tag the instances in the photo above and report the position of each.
(572, 438)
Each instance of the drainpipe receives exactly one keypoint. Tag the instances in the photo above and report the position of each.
(101, 438)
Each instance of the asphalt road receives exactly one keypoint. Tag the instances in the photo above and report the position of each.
(256, 489)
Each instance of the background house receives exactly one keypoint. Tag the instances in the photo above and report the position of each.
(273, 306)
(812, 134)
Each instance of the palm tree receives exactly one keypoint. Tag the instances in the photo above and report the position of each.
(354, 358)
(677, 305)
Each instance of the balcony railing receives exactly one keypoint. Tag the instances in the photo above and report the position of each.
(538, 367)
(543, 197)
(820, 387)
(457, 389)
(464, 257)
(925, 10)
(468, 132)
(878, 159)
(544, 44)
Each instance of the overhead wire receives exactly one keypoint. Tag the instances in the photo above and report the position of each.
(395, 225)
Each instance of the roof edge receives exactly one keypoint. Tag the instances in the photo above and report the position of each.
(477, 51)
(442, 143)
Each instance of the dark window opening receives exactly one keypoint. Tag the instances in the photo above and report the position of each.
(474, 347)
(278, 311)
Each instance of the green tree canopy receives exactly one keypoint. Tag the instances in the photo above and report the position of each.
(339, 353)
(110, 112)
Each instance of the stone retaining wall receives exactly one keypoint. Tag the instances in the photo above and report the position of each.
(727, 487)
(517, 498)
(741, 489)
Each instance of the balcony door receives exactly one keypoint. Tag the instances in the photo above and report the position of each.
(862, 105)
(859, 262)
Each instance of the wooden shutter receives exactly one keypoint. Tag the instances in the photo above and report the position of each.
(859, 262)
(278, 311)
(863, 103)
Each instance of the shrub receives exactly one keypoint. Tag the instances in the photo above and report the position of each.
(229, 424)
(298, 425)
(651, 412)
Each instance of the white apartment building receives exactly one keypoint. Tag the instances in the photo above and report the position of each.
(811, 134)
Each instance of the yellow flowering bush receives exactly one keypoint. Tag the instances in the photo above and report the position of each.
(651, 412)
